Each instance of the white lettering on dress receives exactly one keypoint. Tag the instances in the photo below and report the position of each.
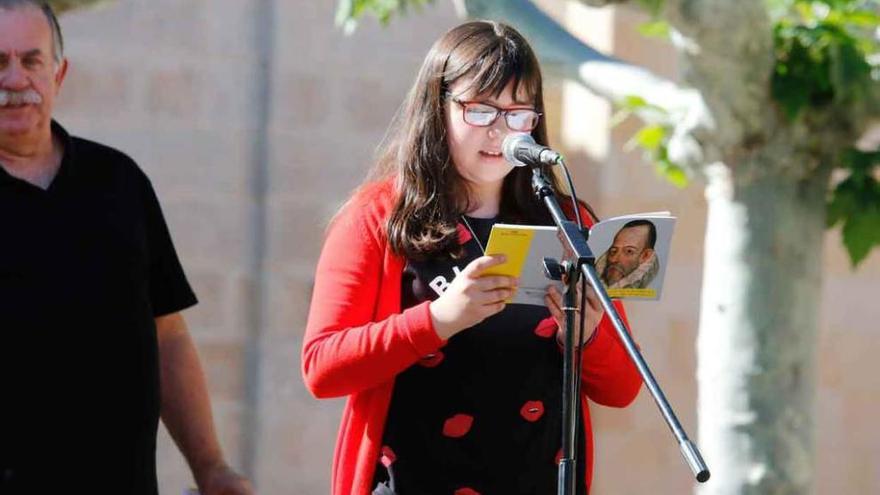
(440, 284)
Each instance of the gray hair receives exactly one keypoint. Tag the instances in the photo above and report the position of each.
(51, 18)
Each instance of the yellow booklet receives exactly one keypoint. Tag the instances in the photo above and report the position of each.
(525, 247)
(513, 241)
(631, 252)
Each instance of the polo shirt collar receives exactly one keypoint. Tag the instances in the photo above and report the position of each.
(67, 168)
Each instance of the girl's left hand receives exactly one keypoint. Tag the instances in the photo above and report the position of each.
(594, 311)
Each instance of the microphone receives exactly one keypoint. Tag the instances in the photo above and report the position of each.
(521, 150)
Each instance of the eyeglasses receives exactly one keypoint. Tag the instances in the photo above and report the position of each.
(480, 114)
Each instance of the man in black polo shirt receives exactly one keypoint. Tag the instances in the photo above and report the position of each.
(90, 297)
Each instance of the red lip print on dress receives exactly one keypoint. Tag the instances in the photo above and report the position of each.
(546, 328)
(432, 360)
(387, 456)
(532, 410)
(464, 234)
(458, 425)
(466, 491)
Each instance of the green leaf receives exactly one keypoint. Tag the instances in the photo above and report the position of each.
(633, 102)
(791, 83)
(791, 96)
(349, 12)
(650, 137)
(848, 70)
(859, 18)
(654, 29)
(839, 207)
(862, 162)
(673, 173)
(855, 202)
(861, 233)
(653, 139)
(822, 49)
(805, 11)
(652, 6)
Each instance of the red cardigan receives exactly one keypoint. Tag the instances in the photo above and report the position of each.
(357, 339)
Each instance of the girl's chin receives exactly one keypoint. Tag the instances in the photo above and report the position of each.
(488, 162)
(486, 172)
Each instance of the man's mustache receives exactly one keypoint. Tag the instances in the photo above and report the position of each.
(25, 97)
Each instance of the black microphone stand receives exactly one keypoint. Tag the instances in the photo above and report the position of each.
(582, 263)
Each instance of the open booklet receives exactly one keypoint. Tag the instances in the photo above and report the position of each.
(631, 252)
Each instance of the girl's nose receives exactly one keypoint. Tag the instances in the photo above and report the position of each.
(498, 129)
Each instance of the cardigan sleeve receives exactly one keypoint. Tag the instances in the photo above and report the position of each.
(608, 375)
(345, 348)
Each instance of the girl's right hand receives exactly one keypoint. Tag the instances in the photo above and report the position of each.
(471, 297)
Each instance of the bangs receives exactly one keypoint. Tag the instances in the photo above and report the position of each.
(491, 67)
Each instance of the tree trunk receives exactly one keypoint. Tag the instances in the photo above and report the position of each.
(758, 329)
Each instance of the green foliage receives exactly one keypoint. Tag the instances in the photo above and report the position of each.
(855, 203)
(654, 7)
(823, 50)
(657, 27)
(654, 29)
(826, 51)
(653, 139)
(349, 12)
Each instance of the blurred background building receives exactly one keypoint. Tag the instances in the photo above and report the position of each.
(256, 119)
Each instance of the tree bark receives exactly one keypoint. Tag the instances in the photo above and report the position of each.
(758, 330)
(727, 53)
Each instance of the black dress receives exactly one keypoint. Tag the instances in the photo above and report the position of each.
(483, 414)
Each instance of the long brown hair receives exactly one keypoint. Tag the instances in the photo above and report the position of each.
(432, 195)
